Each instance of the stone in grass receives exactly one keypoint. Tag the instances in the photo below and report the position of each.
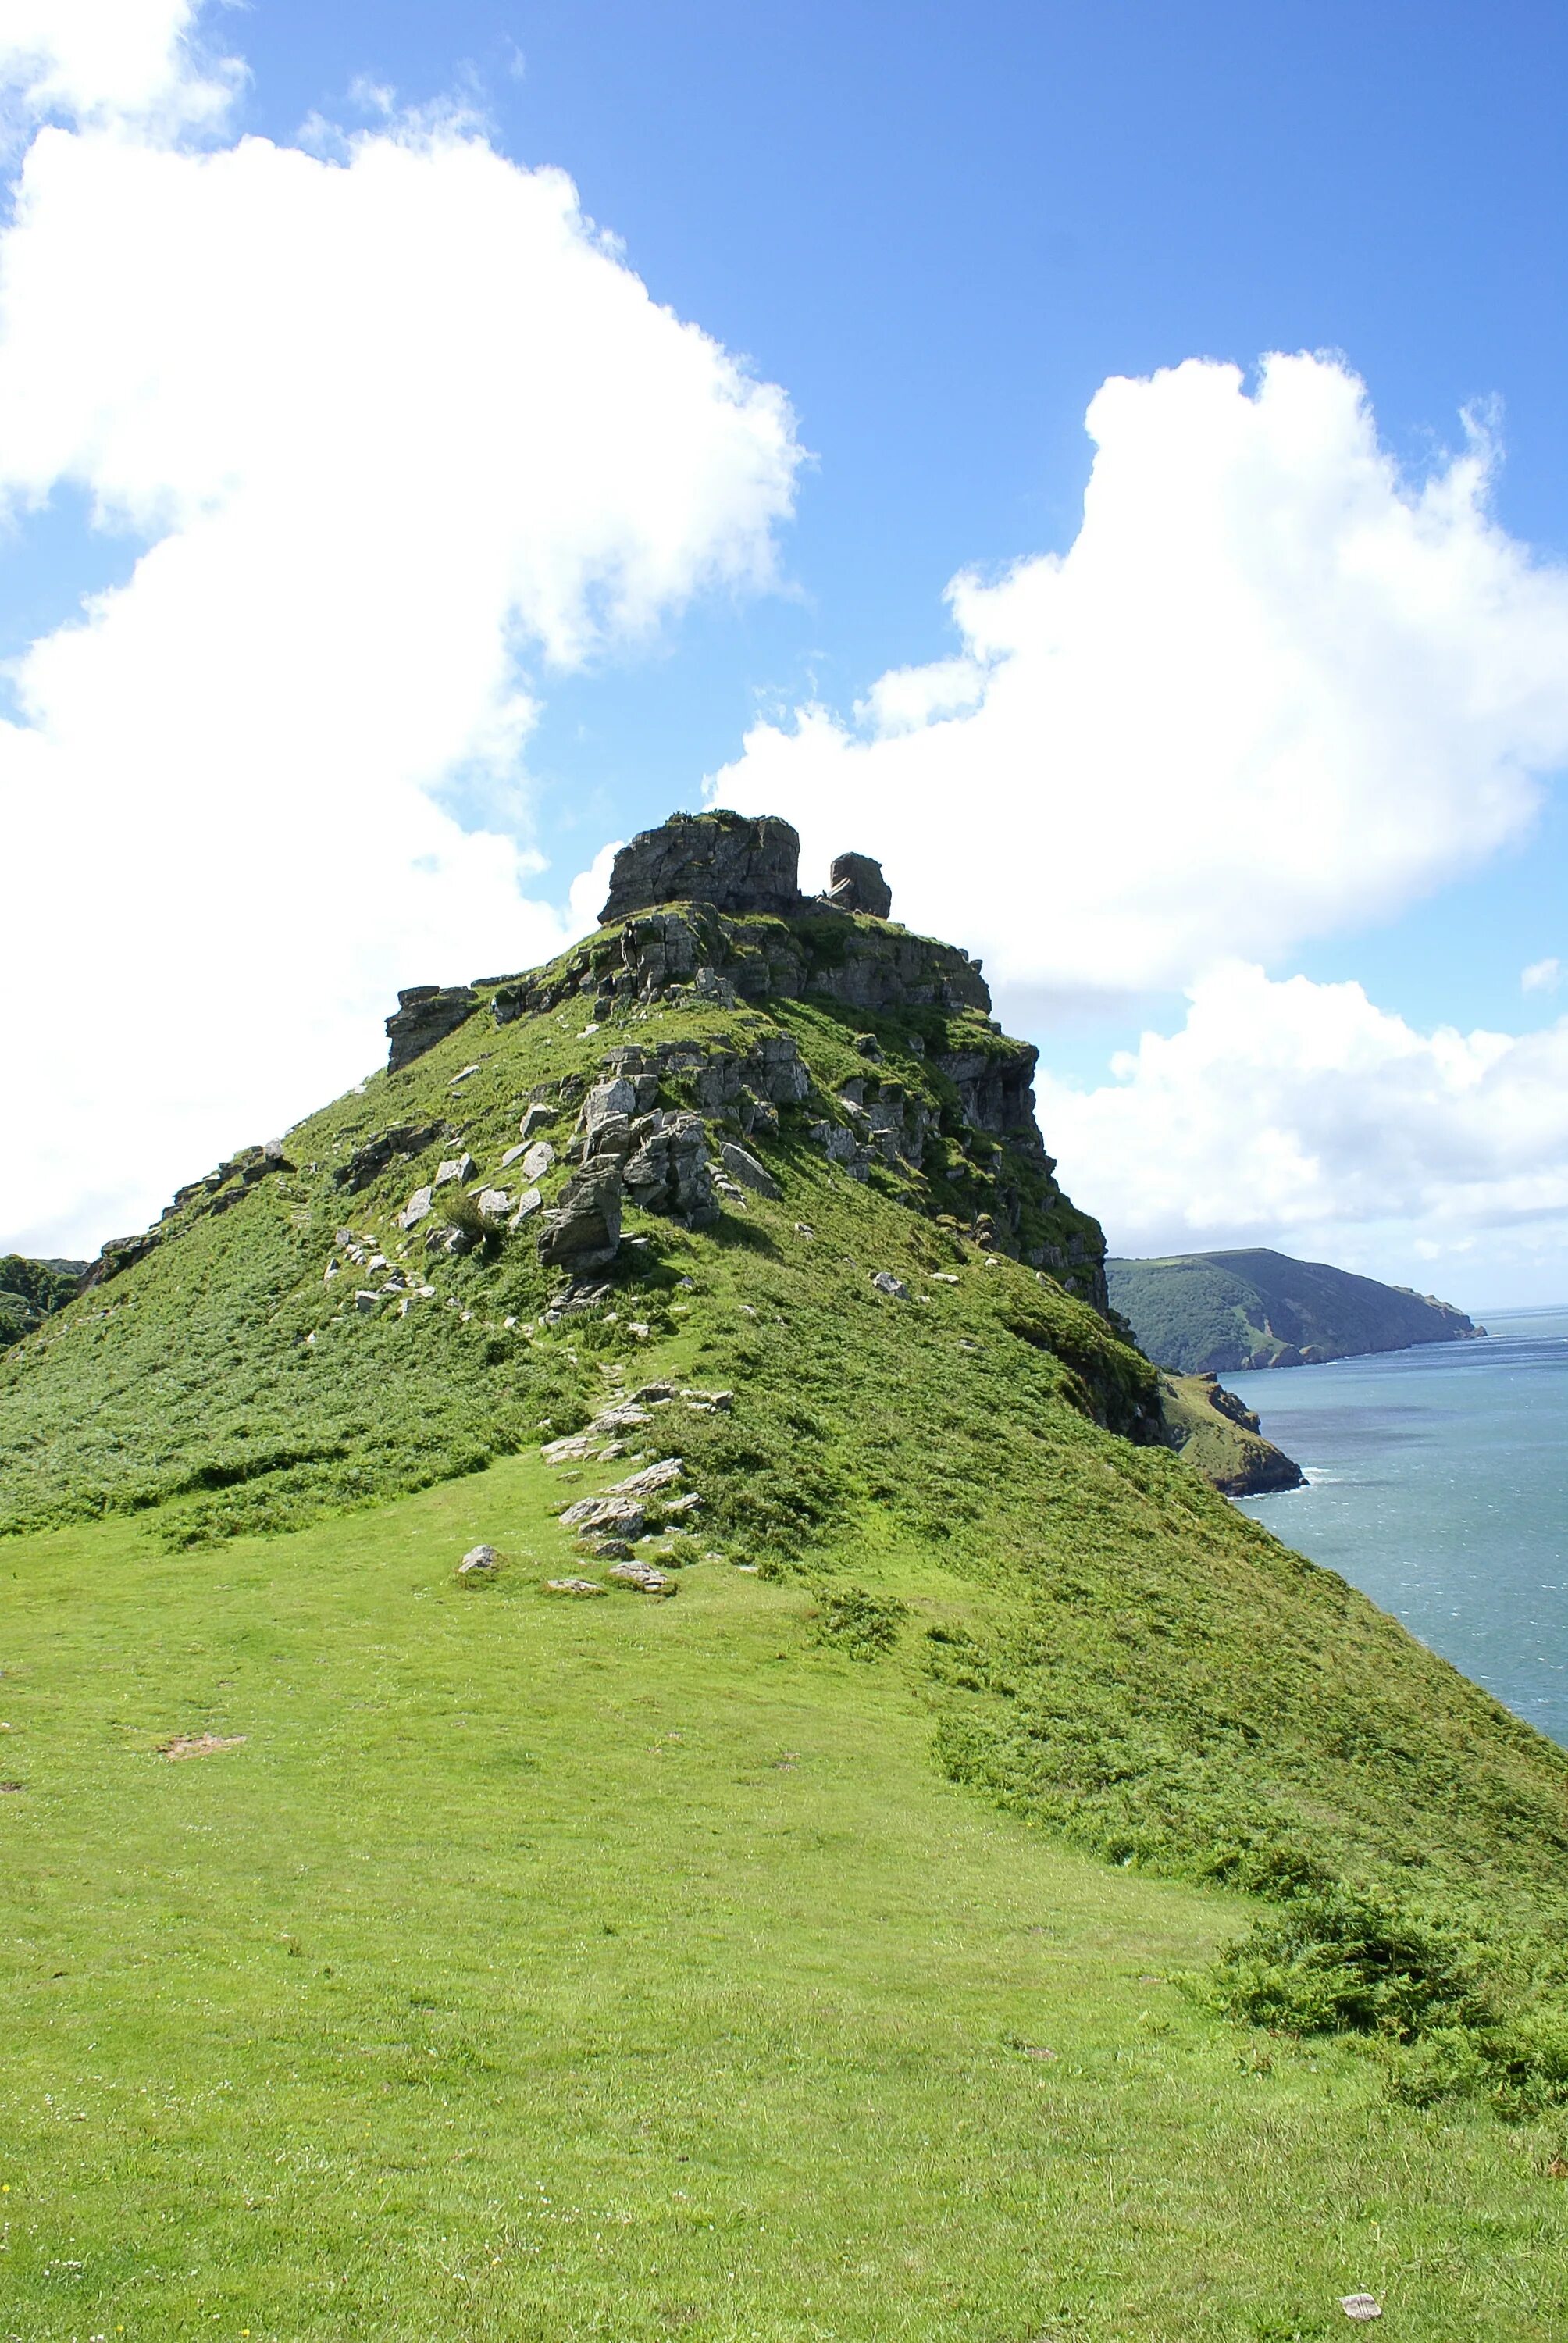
(893, 1287)
(456, 1167)
(538, 1118)
(415, 1210)
(643, 1577)
(571, 1449)
(608, 1549)
(1361, 2306)
(742, 1165)
(479, 1558)
(528, 1203)
(651, 1478)
(494, 1204)
(537, 1160)
(364, 1301)
(616, 1516)
(626, 1416)
(573, 1587)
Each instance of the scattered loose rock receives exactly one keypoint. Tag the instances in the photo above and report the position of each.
(572, 1450)
(615, 1516)
(479, 1557)
(653, 1477)
(528, 1203)
(415, 1210)
(456, 1167)
(1361, 2306)
(642, 1575)
(573, 1587)
(625, 1417)
(893, 1287)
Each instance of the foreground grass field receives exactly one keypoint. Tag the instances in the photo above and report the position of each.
(535, 1968)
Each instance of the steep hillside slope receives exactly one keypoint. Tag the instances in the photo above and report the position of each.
(722, 1259)
(1218, 1313)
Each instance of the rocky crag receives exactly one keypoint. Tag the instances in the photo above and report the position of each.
(30, 1290)
(706, 913)
(895, 1072)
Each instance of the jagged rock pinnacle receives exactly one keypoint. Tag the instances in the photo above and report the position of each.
(741, 864)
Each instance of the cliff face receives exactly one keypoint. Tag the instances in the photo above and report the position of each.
(1220, 1312)
(707, 910)
(1219, 1435)
(31, 1290)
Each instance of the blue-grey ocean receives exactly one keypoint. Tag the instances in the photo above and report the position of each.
(1438, 1483)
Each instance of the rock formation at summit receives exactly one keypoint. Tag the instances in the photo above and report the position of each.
(737, 863)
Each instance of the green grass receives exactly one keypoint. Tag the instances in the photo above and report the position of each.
(540, 1969)
(726, 1925)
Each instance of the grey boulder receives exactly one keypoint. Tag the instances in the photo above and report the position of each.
(742, 1165)
(583, 1231)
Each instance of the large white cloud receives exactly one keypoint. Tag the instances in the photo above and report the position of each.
(1302, 1115)
(103, 60)
(398, 431)
(1274, 689)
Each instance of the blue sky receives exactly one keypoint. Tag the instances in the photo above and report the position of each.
(940, 230)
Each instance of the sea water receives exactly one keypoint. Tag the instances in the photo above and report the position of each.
(1437, 1482)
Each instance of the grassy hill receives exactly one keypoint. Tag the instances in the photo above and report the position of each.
(838, 1947)
(1218, 1312)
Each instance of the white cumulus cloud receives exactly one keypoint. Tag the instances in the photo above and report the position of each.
(105, 60)
(1302, 1115)
(1272, 689)
(1541, 976)
(391, 436)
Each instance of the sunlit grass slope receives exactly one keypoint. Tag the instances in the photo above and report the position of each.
(542, 1970)
(397, 2017)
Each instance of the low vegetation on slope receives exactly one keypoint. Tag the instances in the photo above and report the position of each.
(937, 1457)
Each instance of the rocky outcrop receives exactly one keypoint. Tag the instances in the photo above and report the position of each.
(31, 1291)
(706, 912)
(382, 1149)
(855, 884)
(582, 1230)
(736, 863)
(426, 1014)
(1218, 1433)
(669, 1171)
